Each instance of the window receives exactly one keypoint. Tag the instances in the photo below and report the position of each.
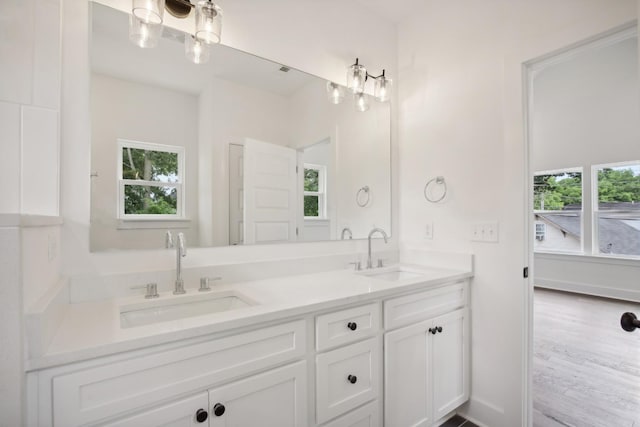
(557, 204)
(150, 178)
(617, 209)
(315, 197)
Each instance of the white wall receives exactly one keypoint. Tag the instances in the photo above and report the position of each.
(585, 112)
(133, 111)
(461, 116)
(29, 171)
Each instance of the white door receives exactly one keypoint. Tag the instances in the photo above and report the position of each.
(276, 398)
(450, 362)
(270, 193)
(189, 412)
(236, 197)
(407, 392)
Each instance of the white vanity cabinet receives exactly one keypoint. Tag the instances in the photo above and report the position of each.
(350, 375)
(426, 362)
(274, 398)
(322, 369)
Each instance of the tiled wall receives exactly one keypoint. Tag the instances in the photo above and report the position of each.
(29, 171)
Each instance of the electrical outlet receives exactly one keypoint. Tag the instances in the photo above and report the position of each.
(485, 231)
(428, 230)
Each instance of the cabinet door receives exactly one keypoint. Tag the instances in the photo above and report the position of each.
(450, 362)
(181, 413)
(407, 394)
(276, 398)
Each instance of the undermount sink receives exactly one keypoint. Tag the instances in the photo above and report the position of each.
(149, 312)
(395, 273)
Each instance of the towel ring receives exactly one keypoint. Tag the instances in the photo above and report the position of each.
(440, 181)
(364, 190)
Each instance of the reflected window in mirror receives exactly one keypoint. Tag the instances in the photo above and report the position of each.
(150, 180)
(315, 197)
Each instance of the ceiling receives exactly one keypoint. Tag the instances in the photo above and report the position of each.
(394, 12)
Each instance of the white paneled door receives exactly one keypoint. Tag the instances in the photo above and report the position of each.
(270, 192)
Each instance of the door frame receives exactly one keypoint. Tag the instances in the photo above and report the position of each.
(529, 67)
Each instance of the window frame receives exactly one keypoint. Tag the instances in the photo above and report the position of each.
(321, 193)
(595, 209)
(179, 185)
(535, 212)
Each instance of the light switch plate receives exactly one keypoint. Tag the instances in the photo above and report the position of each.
(485, 231)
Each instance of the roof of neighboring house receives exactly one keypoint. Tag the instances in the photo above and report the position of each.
(615, 236)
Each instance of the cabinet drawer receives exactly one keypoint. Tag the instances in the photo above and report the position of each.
(347, 377)
(100, 392)
(347, 326)
(366, 416)
(423, 305)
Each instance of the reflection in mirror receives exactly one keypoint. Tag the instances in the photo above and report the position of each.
(240, 150)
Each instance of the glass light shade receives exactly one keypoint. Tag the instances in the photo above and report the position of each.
(208, 21)
(143, 34)
(361, 102)
(148, 11)
(335, 93)
(196, 50)
(382, 89)
(356, 76)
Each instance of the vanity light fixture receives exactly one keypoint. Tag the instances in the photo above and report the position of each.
(148, 11)
(208, 21)
(357, 76)
(145, 25)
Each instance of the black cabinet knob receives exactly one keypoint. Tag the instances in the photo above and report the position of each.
(439, 328)
(352, 379)
(629, 322)
(218, 409)
(352, 325)
(201, 415)
(433, 331)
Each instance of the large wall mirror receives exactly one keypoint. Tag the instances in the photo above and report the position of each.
(240, 150)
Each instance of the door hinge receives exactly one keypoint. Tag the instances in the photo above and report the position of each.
(525, 272)
(296, 231)
(296, 169)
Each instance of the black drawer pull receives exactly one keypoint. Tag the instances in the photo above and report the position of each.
(352, 379)
(352, 325)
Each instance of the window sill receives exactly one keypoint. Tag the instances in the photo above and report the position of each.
(151, 223)
(315, 219)
(590, 258)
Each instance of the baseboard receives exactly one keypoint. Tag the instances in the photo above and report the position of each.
(482, 413)
(582, 288)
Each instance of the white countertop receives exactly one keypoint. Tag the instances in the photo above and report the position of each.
(92, 329)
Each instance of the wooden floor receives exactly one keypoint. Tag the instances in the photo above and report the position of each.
(586, 369)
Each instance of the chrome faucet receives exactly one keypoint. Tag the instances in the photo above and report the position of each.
(345, 231)
(371, 233)
(181, 251)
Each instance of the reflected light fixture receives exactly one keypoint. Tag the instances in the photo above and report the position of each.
(335, 93)
(196, 50)
(143, 34)
(361, 102)
(145, 24)
(357, 76)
